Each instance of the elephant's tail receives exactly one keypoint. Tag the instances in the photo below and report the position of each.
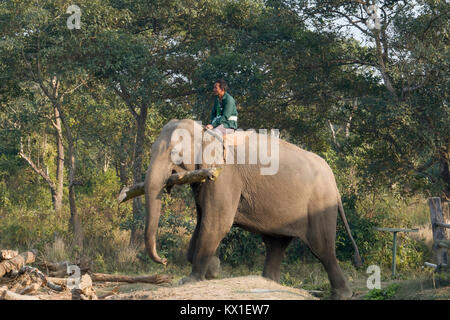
(357, 261)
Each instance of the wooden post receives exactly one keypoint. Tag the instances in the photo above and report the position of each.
(438, 227)
(394, 243)
(394, 252)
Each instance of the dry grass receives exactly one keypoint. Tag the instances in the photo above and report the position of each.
(56, 251)
(126, 256)
(424, 234)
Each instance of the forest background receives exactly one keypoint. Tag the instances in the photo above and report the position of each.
(80, 108)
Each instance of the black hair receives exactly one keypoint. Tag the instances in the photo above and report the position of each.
(223, 84)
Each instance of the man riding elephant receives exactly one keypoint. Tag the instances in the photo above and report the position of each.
(224, 113)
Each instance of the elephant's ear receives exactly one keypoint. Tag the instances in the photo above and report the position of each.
(212, 150)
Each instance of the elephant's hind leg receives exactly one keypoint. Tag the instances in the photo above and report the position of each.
(321, 239)
(275, 248)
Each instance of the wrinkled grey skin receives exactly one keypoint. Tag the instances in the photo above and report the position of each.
(300, 201)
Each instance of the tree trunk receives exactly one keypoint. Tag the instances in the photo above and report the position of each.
(445, 171)
(58, 197)
(122, 165)
(75, 223)
(138, 210)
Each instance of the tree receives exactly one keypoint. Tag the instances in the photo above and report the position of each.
(407, 53)
(141, 62)
(46, 53)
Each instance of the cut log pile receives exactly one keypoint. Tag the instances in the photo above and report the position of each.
(19, 281)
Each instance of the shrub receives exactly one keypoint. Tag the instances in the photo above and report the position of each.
(241, 247)
(383, 294)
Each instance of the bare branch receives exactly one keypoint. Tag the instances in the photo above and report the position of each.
(70, 91)
(39, 171)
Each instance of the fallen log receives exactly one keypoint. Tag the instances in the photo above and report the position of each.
(17, 262)
(113, 292)
(57, 266)
(8, 254)
(59, 281)
(9, 295)
(42, 277)
(58, 269)
(155, 279)
(32, 288)
(186, 177)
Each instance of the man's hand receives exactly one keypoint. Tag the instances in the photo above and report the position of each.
(209, 127)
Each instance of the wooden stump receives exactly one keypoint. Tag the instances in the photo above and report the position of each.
(438, 226)
(84, 290)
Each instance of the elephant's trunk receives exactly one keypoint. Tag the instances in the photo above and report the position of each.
(155, 179)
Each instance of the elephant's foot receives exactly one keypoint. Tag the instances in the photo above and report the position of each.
(341, 294)
(211, 272)
(213, 268)
(273, 275)
(189, 279)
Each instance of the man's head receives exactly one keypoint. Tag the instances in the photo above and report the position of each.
(220, 87)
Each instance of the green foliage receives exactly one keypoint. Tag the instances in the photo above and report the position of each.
(241, 247)
(383, 294)
(25, 228)
(4, 195)
(176, 225)
(376, 246)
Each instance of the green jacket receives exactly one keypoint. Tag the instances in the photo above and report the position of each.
(224, 113)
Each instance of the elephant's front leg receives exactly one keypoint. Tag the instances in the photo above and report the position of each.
(217, 219)
(217, 215)
(205, 264)
(214, 264)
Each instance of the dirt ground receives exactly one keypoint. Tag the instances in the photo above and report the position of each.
(240, 288)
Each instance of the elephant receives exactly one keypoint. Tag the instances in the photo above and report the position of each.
(300, 201)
